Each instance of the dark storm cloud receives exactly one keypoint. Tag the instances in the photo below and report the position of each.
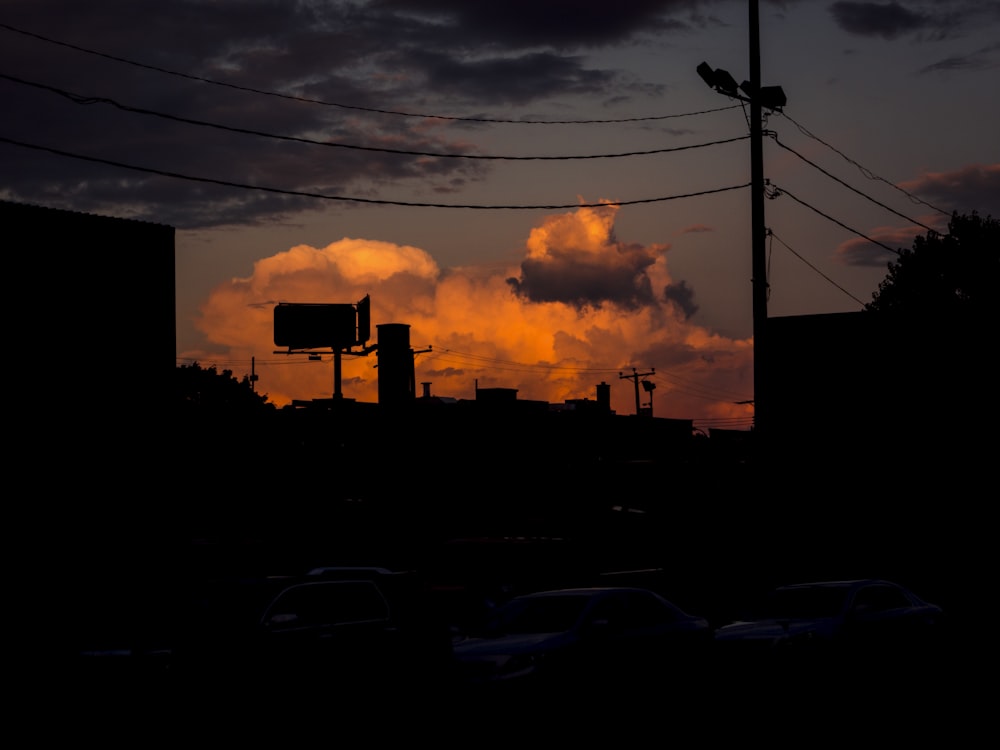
(926, 20)
(682, 297)
(508, 80)
(616, 277)
(521, 24)
(357, 57)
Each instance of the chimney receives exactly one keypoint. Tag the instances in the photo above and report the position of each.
(604, 396)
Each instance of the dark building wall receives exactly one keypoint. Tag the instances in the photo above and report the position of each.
(881, 386)
(97, 314)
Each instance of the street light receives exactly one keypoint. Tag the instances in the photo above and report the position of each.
(769, 97)
(719, 79)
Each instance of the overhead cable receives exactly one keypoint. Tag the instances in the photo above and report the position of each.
(79, 99)
(864, 170)
(306, 194)
(787, 247)
(774, 137)
(349, 106)
(680, 384)
(779, 191)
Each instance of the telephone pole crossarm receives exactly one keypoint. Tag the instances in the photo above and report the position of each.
(634, 377)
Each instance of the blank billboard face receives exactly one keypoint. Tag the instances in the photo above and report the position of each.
(315, 326)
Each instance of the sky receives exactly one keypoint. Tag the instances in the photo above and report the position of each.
(545, 191)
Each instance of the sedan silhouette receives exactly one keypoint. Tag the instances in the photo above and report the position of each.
(584, 638)
(851, 622)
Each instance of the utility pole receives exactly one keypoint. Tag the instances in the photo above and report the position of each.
(761, 400)
(635, 378)
(759, 97)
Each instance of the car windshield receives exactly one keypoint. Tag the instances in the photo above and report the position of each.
(551, 614)
(801, 603)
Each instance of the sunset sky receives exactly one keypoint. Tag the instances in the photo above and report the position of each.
(546, 191)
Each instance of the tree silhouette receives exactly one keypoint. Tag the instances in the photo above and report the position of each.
(209, 390)
(948, 277)
(936, 314)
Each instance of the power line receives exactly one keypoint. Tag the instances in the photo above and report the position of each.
(87, 100)
(680, 385)
(725, 421)
(306, 194)
(778, 191)
(774, 136)
(864, 170)
(481, 360)
(349, 106)
(776, 237)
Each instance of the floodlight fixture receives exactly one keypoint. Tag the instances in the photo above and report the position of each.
(719, 79)
(772, 97)
(706, 73)
(725, 83)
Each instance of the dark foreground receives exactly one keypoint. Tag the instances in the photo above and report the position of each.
(706, 543)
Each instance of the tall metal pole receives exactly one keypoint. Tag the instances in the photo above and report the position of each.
(759, 262)
(337, 370)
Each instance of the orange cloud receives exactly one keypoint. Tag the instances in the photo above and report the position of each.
(484, 329)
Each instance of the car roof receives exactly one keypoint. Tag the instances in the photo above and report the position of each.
(585, 591)
(845, 583)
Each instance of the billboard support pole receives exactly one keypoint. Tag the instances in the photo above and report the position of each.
(337, 393)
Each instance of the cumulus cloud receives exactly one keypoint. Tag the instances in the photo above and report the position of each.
(574, 258)
(682, 296)
(527, 328)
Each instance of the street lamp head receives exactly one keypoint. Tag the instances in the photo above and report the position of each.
(772, 97)
(707, 74)
(725, 83)
(718, 79)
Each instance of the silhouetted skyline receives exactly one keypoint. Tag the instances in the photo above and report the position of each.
(887, 129)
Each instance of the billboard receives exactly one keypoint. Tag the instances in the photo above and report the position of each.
(315, 326)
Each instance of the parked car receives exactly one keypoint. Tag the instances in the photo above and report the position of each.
(596, 638)
(333, 636)
(854, 623)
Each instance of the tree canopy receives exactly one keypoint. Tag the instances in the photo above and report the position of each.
(946, 276)
(208, 389)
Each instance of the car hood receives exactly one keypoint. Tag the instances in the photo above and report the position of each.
(774, 629)
(509, 644)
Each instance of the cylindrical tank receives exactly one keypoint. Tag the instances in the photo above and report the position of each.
(395, 364)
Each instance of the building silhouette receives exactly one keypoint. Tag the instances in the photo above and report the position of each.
(853, 386)
(96, 314)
